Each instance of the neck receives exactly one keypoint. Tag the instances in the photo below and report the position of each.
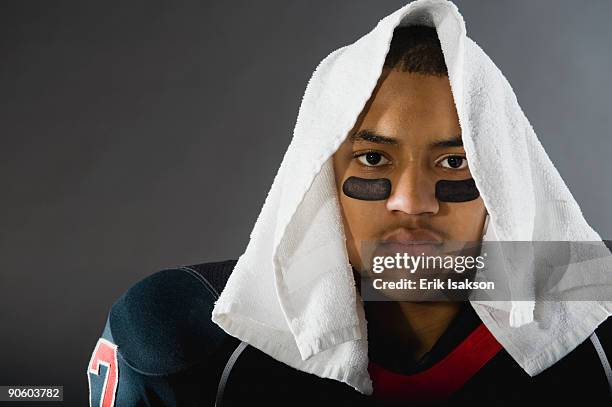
(415, 327)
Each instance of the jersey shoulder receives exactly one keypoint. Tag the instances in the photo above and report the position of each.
(162, 324)
(604, 336)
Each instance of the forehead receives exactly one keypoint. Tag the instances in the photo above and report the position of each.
(411, 106)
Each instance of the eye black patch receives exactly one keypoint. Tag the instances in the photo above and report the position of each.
(378, 189)
(457, 191)
(367, 189)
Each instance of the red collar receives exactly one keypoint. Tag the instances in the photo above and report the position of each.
(442, 379)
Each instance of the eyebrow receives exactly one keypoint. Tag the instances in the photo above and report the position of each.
(456, 141)
(373, 137)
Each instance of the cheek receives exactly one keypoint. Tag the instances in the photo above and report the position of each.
(465, 220)
(362, 218)
(362, 215)
(362, 223)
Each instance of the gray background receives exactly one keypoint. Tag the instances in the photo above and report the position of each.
(142, 136)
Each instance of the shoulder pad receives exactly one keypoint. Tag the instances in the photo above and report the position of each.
(215, 274)
(162, 324)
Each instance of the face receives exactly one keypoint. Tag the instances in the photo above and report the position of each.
(409, 134)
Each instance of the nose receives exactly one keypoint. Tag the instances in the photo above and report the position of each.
(413, 193)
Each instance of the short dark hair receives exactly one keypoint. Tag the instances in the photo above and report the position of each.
(416, 49)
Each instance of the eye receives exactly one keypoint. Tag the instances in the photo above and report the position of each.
(455, 162)
(372, 159)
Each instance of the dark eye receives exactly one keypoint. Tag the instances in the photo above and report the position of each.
(372, 159)
(455, 162)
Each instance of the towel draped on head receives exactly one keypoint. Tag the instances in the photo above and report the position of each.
(292, 293)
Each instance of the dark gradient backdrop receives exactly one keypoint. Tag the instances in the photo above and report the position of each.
(138, 135)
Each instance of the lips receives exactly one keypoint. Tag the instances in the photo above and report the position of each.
(414, 235)
(412, 249)
(414, 242)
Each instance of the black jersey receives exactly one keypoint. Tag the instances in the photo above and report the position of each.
(160, 348)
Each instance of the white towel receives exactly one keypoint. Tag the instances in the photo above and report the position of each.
(292, 293)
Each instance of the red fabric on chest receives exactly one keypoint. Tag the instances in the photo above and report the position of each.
(442, 379)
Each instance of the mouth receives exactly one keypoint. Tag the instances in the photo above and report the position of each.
(411, 248)
(412, 242)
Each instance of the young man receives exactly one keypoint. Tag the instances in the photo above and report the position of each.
(288, 324)
(408, 133)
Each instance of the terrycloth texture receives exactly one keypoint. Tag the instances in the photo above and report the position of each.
(292, 293)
